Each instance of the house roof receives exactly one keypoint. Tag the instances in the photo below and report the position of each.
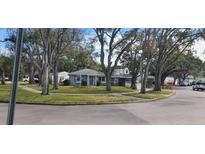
(120, 67)
(87, 72)
(122, 76)
(61, 73)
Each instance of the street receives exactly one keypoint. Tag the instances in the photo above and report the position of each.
(185, 107)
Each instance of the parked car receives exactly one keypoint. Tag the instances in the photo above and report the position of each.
(26, 79)
(6, 78)
(193, 83)
(199, 86)
(36, 80)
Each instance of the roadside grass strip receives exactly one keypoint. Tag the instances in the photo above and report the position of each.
(152, 95)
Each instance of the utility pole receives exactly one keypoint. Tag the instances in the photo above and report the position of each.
(15, 77)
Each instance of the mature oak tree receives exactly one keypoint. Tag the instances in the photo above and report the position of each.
(113, 43)
(149, 51)
(170, 40)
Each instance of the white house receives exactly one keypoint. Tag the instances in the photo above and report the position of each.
(169, 79)
(61, 76)
(121, 70)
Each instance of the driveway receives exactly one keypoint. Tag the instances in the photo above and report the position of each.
(186, 107)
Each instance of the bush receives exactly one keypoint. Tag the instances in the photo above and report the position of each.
(66, 82)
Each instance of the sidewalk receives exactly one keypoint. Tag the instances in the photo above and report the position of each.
(29, 89)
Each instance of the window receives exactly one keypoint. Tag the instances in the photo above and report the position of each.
(77, 78)
(103, 78)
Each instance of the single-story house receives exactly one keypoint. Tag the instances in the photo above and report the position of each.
(89, 77)
(85, 77)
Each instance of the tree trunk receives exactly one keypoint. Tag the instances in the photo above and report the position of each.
(163, 79)
(40, 77)
(144, 79)
(3, 78)
(108, 82)
(157, 83)
(45, 79)
(184, 77)
(133, 81)
(31, 76)
(134, 74)
(175, 81)
(55, 77)
(180, 80)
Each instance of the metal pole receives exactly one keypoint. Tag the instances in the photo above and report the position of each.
(141, 73)
(15, 76)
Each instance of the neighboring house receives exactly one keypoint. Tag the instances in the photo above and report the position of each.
(121, 70)
(200, 79)
(62, 76)
(169, 80)
(121, 76)
(89, 77)
(187, 81)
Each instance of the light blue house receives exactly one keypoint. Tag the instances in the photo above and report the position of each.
(89, 77)
(86, 77)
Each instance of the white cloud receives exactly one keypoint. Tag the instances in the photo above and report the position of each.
(200, 48)
(4, 51)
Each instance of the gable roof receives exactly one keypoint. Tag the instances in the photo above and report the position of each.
(87, 72)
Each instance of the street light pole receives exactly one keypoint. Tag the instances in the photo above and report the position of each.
(15, 76)
(141, 68)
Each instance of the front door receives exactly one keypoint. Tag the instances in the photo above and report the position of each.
(92, 81)
(121, 82)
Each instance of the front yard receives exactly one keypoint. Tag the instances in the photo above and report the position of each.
(84, 89)
(79, 95)
(24, 96)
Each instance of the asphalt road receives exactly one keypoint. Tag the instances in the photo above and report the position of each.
(185, 107)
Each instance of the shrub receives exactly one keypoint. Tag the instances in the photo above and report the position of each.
(66, 82)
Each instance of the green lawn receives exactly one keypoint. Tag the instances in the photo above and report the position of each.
(152, 94)
(62, 96)
(85, 90)
(56, 98)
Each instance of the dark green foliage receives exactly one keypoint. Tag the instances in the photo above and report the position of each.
(66, 82)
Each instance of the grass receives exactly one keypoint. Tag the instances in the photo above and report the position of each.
(29, 97)
(85, 90)
(59, 96)
(152, 94)
(162, 92)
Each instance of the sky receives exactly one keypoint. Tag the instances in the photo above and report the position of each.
(3, 34)
(200, 48)
(199, 45)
